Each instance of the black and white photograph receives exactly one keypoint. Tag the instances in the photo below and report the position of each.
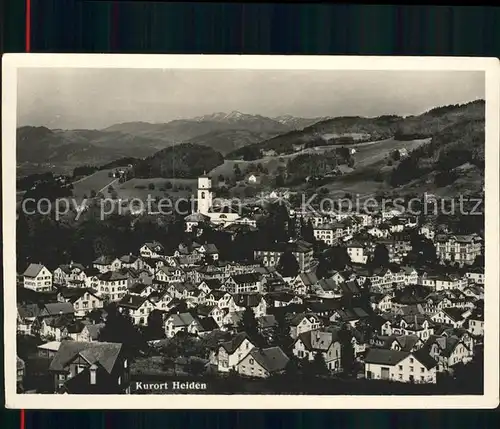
(250, 231)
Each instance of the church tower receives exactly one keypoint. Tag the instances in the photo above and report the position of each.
(204, 194)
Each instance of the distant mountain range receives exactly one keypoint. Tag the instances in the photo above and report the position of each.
(39, 148)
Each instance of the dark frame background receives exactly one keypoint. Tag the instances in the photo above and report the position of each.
(309, 28)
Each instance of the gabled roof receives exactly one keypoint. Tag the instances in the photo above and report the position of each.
(152, 245)
(33, 270)
(132, 301)
(128, 259)
(385, 356)
(309, 278)
(267, 321)
(67, 268)
(112, 276)
(205, 310)
(272, 359)
(406, 342)
(231, 345)
(182, 319)
(207, 324)
(56, 308)
(28, 310)
(296, 319)
(246, 278)
(455, 314)
(104, 354)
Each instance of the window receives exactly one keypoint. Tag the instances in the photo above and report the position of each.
(251, 361)
(400, 376)
(422, 378)
(411, 360)
(119, 380)
(411, 369)
(400, 367)
(422, 369)
(125, 363)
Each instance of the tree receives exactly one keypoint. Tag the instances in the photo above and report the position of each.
(248, 322)
(279, 181)
(288, 265)
(119, 329)
(346, 350)
(237, 172)
(110, 189)
(281, 332)
(318, 365)
(92, 193)
(380, 256)
(307, 231)
(396, 155)
(151, 186)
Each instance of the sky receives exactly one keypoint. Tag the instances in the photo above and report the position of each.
(76, 98)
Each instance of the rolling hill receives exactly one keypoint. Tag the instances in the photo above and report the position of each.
(186, 160)
(422, 126)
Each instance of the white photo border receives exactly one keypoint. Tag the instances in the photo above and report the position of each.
(490, 66)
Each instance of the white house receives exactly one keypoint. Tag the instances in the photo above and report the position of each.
(38, 278)
(404, 367)
(151, 250)
(301, 323)
(309, 343)
(357, 253)
(230, 353)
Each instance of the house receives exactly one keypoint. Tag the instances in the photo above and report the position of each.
(406, 343)
(113, 285)
(142, 289)
(379, 231)
(302, 250)
(475, 276)
(303, 322)
(184, 322)
(85, 368)
(229, 353)
(309, 343)
(349, 315)
(410, 275)
(218, 297)
(357, 253)
(327, 288)
(69, 275)
(167, 274)
(210, 311)
(382, 302)
(56, 327)
(263, 363)
(401, 366)
(26, 315)
(152, 250)
(428, 231)
(56, 309)
(255, 301)
(208, 250)
(413, 324)
(48, 350)
(38, 278)
(104, 263)
(448, 351)
(242, 283)
(304, 283)
(91, 332)
(461, 249)
(131, 261)
(84, 300)
(136, 307)
(476, 323)
(450, 316)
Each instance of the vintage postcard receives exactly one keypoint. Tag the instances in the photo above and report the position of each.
(250, 232)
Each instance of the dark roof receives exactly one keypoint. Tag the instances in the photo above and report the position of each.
(28, 310)
(94, 352)
(208, 324)
(132, 301)
(110, 276)
(55, 308)
(128, 259)
(385, 356)
(247, 299)
(424, 358)
(33, 270)
(272, 359)
(454, 313)
(246, 278)
(231, 345)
